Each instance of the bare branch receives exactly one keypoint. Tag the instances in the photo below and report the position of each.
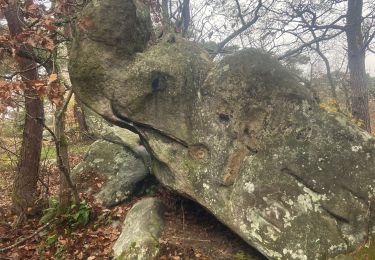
(243, 28)
(26, 238)
(240, 13)
(308, 44)
(369, 40)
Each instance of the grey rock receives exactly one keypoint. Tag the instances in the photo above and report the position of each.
(139, 239)
(101, 129)
(241, 137)
(120, 169)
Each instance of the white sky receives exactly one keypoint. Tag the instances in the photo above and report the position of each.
(370, 64)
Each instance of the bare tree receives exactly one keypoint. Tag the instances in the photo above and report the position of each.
(326, 21)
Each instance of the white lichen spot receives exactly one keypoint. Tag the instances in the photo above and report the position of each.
(320, 159)
(206, 186)
(226, 67)
(299, 254)
(308, 201)
(290, 202)
(256, 221)
(337, 248)
(371, 193)
(249, 187)
(98, 160)
(356, 148)
(320, 169)
(271, 233)
(288, 219)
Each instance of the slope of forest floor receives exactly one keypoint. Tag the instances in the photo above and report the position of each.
(190, 232)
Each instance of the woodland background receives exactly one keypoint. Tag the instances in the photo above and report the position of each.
(43, 133)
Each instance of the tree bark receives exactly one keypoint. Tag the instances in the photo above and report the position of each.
(25, 183)
(356, 62)
(62, 158)
(79, 116)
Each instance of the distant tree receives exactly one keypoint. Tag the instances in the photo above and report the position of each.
(312, 24)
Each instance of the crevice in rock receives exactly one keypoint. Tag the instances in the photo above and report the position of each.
(137, 127)
(300, 180)
(335, 216)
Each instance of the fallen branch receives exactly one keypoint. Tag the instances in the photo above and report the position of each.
(192, 239)
(26, 238)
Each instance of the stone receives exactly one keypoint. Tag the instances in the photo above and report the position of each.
(139, 238)
(101, 129)
(240, 136)
(120, 170)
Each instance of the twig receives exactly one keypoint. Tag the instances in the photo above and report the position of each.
(192, 239)
(26, 238)
(9, 151)
(183, 216)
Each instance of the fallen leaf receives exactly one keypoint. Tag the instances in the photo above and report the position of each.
(52, 77)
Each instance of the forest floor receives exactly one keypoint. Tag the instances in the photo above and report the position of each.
(190, 232)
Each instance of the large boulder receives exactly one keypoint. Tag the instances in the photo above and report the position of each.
(241, 136)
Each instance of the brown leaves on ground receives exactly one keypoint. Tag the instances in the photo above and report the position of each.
(93, 241)
(190, 232)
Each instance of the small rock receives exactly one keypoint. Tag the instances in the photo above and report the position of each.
(113, 169)
(140, 234)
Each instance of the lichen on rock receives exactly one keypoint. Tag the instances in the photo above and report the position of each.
(241, 137)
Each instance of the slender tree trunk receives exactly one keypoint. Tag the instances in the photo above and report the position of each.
(331, 81)
(65, 194)
(356, 62)
(79, 116)
(67, 188)
(25, 183)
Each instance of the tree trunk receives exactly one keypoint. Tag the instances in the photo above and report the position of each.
(25, 183)
(62, 152)
(79, 116)
(356, 62)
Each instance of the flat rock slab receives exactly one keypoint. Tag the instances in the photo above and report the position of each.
(139, 239)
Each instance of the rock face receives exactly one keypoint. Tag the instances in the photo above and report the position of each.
(120, 170)
(140, 234)
(241, 137)
(101, 129)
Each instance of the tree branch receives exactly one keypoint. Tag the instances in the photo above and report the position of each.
(26, 238)
(308, 44)
(247, 25)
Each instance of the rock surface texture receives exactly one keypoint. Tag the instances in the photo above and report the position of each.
(139, 239)
(241, 137)
(120, 170)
